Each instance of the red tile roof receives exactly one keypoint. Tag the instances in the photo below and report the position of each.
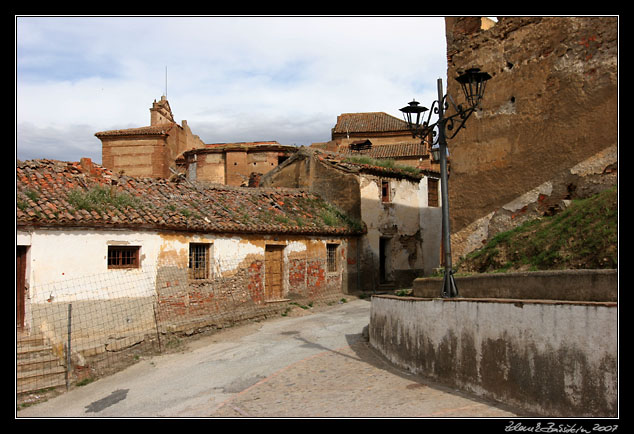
(159, 129)
(361, 163)
(374, 122)
(392, 150)
(56, 193)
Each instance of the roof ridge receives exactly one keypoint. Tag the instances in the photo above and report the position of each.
(51, 195)
(162, 128)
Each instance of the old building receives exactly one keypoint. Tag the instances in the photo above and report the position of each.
(547, 131)
(148, 151)
(200, 251)
(398, 205)
(379, 136)
(164, 148)
(233, 163)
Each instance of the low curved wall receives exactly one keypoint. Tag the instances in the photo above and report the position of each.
(547, 358)
(570, 285)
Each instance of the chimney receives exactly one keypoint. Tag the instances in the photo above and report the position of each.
(254, 179)
(86, 165)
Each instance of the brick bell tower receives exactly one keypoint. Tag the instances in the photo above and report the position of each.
(160, 112)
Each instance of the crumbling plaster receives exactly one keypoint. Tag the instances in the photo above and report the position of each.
(551, 103)
(585, 178)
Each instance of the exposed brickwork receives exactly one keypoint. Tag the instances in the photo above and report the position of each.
(183, 302)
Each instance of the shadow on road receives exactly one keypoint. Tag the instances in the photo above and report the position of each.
(364, 352)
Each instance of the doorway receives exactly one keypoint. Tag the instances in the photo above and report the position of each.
(274, 272)
(20, 285)
(384, 260)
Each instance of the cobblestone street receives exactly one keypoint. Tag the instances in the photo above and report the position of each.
(317, 364)
(352, 381)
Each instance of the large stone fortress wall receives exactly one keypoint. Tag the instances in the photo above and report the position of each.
(549, 111)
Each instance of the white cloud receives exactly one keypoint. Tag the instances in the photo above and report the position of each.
(232, 78)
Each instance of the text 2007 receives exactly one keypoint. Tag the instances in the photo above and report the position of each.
(606, 428)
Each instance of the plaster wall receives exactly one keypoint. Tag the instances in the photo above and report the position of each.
(547, 358)
(406, 222)
(116, 308)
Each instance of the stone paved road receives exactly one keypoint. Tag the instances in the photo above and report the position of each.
(316, 365)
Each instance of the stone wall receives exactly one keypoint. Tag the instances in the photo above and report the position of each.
(550, 105)
(570, 285)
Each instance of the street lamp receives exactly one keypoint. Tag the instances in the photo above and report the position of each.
(473, 83)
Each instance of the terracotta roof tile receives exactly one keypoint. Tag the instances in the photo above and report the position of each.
(56, 193)
(392, 150)
(159, 129)
(352, 163)
(368, 122)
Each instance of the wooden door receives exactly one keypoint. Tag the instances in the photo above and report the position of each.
(274, 269)
(20, 280)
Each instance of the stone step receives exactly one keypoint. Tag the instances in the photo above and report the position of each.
(33, 352)
(29, 340)
(37, 366)
(40, 362)
(31, 381)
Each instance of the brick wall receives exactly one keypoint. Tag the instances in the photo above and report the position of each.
(136, 156)
(184, 303)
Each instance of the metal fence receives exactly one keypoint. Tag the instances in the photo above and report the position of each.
(80, 329)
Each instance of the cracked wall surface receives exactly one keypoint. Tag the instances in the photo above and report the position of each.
(547, 129)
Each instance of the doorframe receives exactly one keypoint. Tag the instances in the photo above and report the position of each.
(21, 262)
(385, 260)
(267, 294)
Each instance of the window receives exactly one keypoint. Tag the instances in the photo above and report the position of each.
(123, 257)
(432, 192)
(331, 257)
(199, 261)
(385, 191)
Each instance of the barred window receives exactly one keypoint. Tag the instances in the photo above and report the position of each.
(432, 192)
(199, 261)
(331, 257)
(385, 191)
(123, 257)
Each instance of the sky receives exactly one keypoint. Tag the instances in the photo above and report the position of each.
(233, 78)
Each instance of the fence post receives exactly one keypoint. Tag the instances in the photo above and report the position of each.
(68, 346)
(158, 332)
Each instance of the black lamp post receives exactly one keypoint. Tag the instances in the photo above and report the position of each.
(473, 83)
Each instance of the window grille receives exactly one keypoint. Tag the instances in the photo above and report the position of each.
(198, 261)
(123, 257)
(331, 257)
(432, 192)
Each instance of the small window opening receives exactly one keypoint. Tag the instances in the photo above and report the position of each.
(385, 191)
(199, 261)
(432, 192)
(123, 257)
(331, 257)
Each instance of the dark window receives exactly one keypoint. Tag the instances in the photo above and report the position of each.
(432, 192)
(123, 256)
(331, 257)
(384, 244)
(385, 191)
(199, 261)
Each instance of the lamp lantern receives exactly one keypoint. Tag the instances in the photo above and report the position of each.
(473, 82)
(413, 109)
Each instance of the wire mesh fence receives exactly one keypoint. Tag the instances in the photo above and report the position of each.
(80, 329)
